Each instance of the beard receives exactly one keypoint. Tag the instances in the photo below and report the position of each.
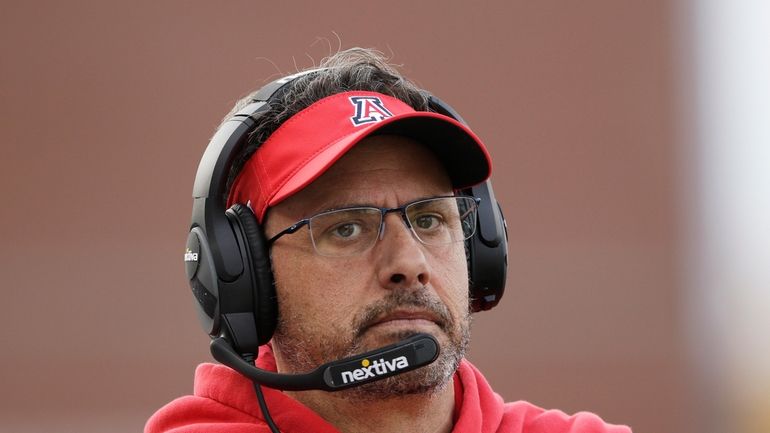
(305, 349)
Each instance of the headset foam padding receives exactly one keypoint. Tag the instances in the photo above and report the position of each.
(259, 259)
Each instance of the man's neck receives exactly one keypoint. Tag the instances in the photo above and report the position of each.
(429, 412)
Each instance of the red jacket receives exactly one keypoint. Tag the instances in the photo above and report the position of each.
(224, 402)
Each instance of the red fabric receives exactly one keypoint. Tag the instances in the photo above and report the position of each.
(309, 142)
(224, 402)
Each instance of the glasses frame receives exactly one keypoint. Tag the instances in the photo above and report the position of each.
(383, 212)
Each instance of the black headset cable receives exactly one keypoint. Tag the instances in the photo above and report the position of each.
(249, 357)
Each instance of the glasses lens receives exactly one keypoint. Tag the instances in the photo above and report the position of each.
(345, 232)
(443, 220)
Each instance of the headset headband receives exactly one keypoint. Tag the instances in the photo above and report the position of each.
(210, 188)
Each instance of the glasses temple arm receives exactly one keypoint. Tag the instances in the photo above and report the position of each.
(289, 230)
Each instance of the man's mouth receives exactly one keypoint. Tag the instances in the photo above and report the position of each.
(406, 319)
(405, 312)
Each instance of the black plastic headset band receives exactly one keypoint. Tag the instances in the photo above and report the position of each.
(210, 188)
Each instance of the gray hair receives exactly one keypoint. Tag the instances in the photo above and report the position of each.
(351, 69)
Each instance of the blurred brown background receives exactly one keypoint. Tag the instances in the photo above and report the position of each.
(107, 107)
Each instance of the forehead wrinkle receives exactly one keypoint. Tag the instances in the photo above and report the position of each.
(370, 192)
(367, 186)
(379, 171)
(325, 199)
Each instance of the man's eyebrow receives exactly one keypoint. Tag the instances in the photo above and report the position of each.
(335, 205)
(333, 200)
(341, 203)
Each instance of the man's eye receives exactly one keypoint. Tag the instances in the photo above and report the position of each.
(427, 221)
(347, 230)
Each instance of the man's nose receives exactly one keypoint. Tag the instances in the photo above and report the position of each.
(401, 261)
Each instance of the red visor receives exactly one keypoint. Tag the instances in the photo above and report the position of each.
(307, 144)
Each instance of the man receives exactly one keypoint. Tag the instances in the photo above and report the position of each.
(357, 191)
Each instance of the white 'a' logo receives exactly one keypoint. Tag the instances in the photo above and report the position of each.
(369, 109)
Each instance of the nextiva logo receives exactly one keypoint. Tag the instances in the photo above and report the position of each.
(190, 256)
(369, 109)
(373, 369)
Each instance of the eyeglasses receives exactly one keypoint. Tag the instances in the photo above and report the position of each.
(350, 231)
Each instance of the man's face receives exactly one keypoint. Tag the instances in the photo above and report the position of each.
(333, 307)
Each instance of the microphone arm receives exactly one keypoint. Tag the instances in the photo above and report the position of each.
(406, 355)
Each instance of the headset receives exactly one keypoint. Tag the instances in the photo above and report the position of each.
(227, 263)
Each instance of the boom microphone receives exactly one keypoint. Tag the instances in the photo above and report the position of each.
(409, 354)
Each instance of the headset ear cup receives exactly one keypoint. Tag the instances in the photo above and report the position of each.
(265, 311)
(487, 251)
